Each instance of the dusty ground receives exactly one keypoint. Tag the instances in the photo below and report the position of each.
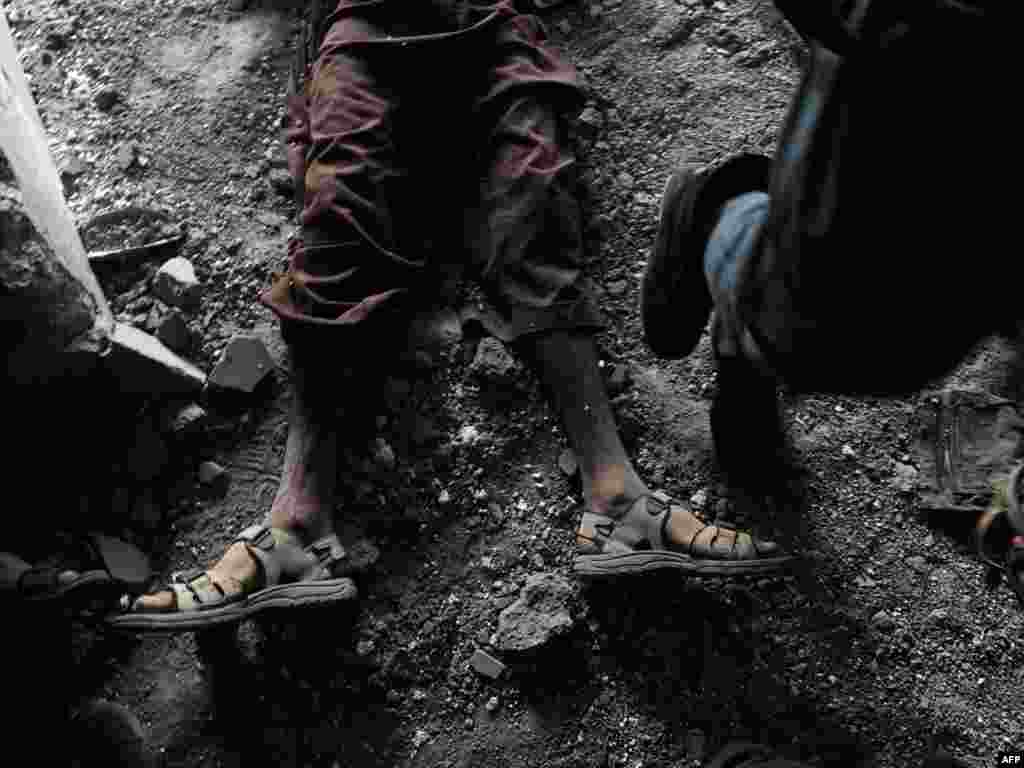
(653, 673)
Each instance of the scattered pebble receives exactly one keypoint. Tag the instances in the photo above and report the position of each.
(383, 454)
(883, 621)
(487, 665)
(444, 497)
(848, 452)
(176, 283)
(918, 563)
(567, 462)
(492, 704)
(213, 475)
(106, 98)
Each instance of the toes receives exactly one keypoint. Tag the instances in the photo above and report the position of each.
(161, 602)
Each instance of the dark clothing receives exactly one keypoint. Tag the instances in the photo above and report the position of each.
(879, 257)
(420, 149)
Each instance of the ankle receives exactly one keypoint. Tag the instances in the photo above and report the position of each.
(612, 491)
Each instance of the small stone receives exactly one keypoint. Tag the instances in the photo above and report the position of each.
(699, 500)
(468, 435)
(142, 364)
(106, 98)
(918, 563)
(492, 360)
(244, 363)
(281, 182)
(567, 462)
(492, 704)
(361, 556)
(214, 476)
(469, 723)
(589, 123)
(72, 167)
(383, 454)
(125, 157)
(57, 39)
(487, 665)
(540, 613)
(364, 647)
(905, 477)
(444, 497)
(929, 540)
(617, 287)
(176, 283)
(848, 452)
(268, 219)
(421, 737)
(864, 581)
(184, 421)
(883, 621)
(174, 332)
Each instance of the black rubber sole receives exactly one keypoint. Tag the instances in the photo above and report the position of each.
(630, 563)
(675, 301)
(282, 596)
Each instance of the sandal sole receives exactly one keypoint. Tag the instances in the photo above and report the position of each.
(282, 596)
(630, 563)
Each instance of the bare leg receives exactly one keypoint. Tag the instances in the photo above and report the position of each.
(305, 496)
(567, 365)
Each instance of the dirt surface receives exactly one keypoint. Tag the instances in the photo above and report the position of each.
(888, 638)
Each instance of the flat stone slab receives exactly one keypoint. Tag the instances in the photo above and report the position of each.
(144, 365)
(243, 365)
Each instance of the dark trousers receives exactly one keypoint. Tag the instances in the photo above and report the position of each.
(878, 257)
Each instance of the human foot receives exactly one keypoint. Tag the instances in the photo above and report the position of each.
(656, 532)
(265, 568)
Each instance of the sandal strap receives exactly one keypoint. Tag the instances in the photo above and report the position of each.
(329, 554)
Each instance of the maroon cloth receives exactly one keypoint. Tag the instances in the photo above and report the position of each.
(416, 151)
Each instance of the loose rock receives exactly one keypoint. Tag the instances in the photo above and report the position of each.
(487, 665)
(905, 479)
(848, 452)
(143, 364)
(184, 421)
(540, 613)
(699, 500)
(567, 462)
(244, 363)
(383, 454)
(214, 476)
(492, 360)
(883, 621)
(106, 98)
(281, 182)
(918, 563)
(176, 283)
(492, 704)
(174, 332)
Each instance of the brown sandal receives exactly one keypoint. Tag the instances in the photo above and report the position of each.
(291, 576)
(638, 542)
